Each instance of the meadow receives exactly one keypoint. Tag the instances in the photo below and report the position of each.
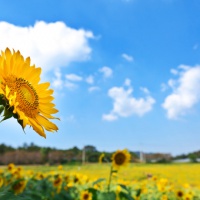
(93, 182)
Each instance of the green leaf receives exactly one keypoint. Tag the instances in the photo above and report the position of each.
(94, 193)
(107, 196)
(98, 181)
(125, 196)
(124, 187)
(138, 192)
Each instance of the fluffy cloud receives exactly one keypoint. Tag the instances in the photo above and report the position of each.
(49, 45)
(125, 105)
(127, 57)
(58, 82)
(67, 82)
(71, 86)
(107, 71)
(70, 81)
(185, 92)
(110, 117)
(90, 79)
(94, 88)
(145, 90)
(73, 77)
(127, 82)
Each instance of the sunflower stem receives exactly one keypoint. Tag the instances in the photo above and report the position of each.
(110, 177)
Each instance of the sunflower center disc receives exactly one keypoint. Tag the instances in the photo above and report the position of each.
(26, 96)
(86, 196)
(27, 93)
(120, 159)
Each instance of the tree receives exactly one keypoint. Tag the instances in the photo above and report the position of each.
(193, 157)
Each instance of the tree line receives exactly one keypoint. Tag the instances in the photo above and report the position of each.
(33, 154)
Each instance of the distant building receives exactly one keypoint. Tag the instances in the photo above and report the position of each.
(184, 160)
(152, 157)
(156, 157)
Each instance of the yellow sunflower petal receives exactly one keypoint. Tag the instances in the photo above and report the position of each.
(49, 126)
(37, 127)
(48, 110)
(46, 99)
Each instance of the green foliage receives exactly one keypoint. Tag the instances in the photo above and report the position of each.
(4, 148)
(193, 158)
(107, 196)
(98, 181)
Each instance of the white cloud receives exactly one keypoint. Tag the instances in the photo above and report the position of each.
(58, 82)
(50, 45)
(94, 88)
(70, 85)
(107, 71)
(127, 82)
(127, 57)
(125, 105)
(90, 79)
(174, 71)
(109, 117)
(185, 92)
(145, 90)
(73, 77)
(164, 87)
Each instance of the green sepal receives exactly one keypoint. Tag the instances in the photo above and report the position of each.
(1, 109)
(21, 124)
(16, 116)
(7, 114)
(2, 100)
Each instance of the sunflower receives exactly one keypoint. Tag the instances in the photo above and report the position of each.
(57, 181)
(11, 167)
(179, 193)
(101, 157)
(120, 158)
(1, 181)
(85, 195)
(19, 186)
(21, 94)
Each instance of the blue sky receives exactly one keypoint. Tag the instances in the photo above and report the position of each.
(126, 73)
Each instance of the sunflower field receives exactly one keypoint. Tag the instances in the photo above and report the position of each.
(101, 182)
(23, 97)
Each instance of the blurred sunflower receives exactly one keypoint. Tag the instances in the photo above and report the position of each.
(21, 94)
(19, 186)
(60, 167)
(101, 157)
(85, 195)
(11, 167)
(1, 181)
(57, 181)
(179, 193)
(120, 158)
